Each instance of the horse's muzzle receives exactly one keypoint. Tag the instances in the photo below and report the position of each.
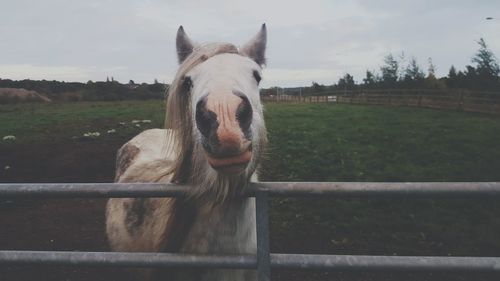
(224, 120)
(232, 164)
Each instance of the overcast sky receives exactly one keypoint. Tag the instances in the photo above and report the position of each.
(311, 40)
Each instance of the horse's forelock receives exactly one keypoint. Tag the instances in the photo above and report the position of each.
(178, 110)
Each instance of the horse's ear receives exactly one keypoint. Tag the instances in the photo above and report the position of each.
(184, 45)
(256, 47)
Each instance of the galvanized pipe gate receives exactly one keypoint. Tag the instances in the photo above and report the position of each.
(264, 260)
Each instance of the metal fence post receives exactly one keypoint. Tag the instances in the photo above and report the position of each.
(263, 255)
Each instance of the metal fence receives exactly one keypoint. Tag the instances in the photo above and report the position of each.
(263, 261)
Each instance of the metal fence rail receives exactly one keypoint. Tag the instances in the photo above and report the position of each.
(281, 189)
(302, 261)
(264, 260)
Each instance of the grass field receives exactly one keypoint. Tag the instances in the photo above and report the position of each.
(370, 143)
(321, 142)
(41, 122)
(308, 142)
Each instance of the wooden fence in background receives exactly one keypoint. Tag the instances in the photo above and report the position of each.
(462, 100)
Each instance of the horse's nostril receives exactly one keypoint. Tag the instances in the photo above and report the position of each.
(244, 113)
(206, 120)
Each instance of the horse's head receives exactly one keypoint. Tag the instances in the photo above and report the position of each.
(216, 94)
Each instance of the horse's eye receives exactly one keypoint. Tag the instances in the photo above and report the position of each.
(256, 75)
(187, 83)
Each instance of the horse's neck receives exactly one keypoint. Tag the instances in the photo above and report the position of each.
(226, 229)
(218, 231)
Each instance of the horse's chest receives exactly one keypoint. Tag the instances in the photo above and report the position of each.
(230, 231)
(223, 231)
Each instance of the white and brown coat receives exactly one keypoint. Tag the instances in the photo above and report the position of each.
(213, 141)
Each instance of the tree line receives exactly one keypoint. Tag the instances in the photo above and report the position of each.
(108, 90)
(398, 72)
(481, 75)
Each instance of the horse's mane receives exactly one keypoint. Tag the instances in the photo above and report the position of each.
(178, 111)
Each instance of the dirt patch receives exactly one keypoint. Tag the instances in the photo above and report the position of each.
(78, 224)
(12, 95)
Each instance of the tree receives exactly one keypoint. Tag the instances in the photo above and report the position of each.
(470, 73)
(452, 81)
(452, 74)
(401, 61)
(486, 61)
(487, 68)
(431, 69)
(346, 82)
(461, 79)
(316, 87)
(413, 75)
(131, 82)
(390, 71)
(370, 80)
(431, 82)
(156, 86)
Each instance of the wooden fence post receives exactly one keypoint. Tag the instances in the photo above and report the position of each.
(460, 105)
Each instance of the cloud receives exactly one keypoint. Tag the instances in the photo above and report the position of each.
(316, 40)
(298, 77)
(27, 71)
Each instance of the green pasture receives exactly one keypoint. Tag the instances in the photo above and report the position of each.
(63, 121)
(322, 142)
(311, 142)
(308, 142)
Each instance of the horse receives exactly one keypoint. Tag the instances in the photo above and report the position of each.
(213, 141)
